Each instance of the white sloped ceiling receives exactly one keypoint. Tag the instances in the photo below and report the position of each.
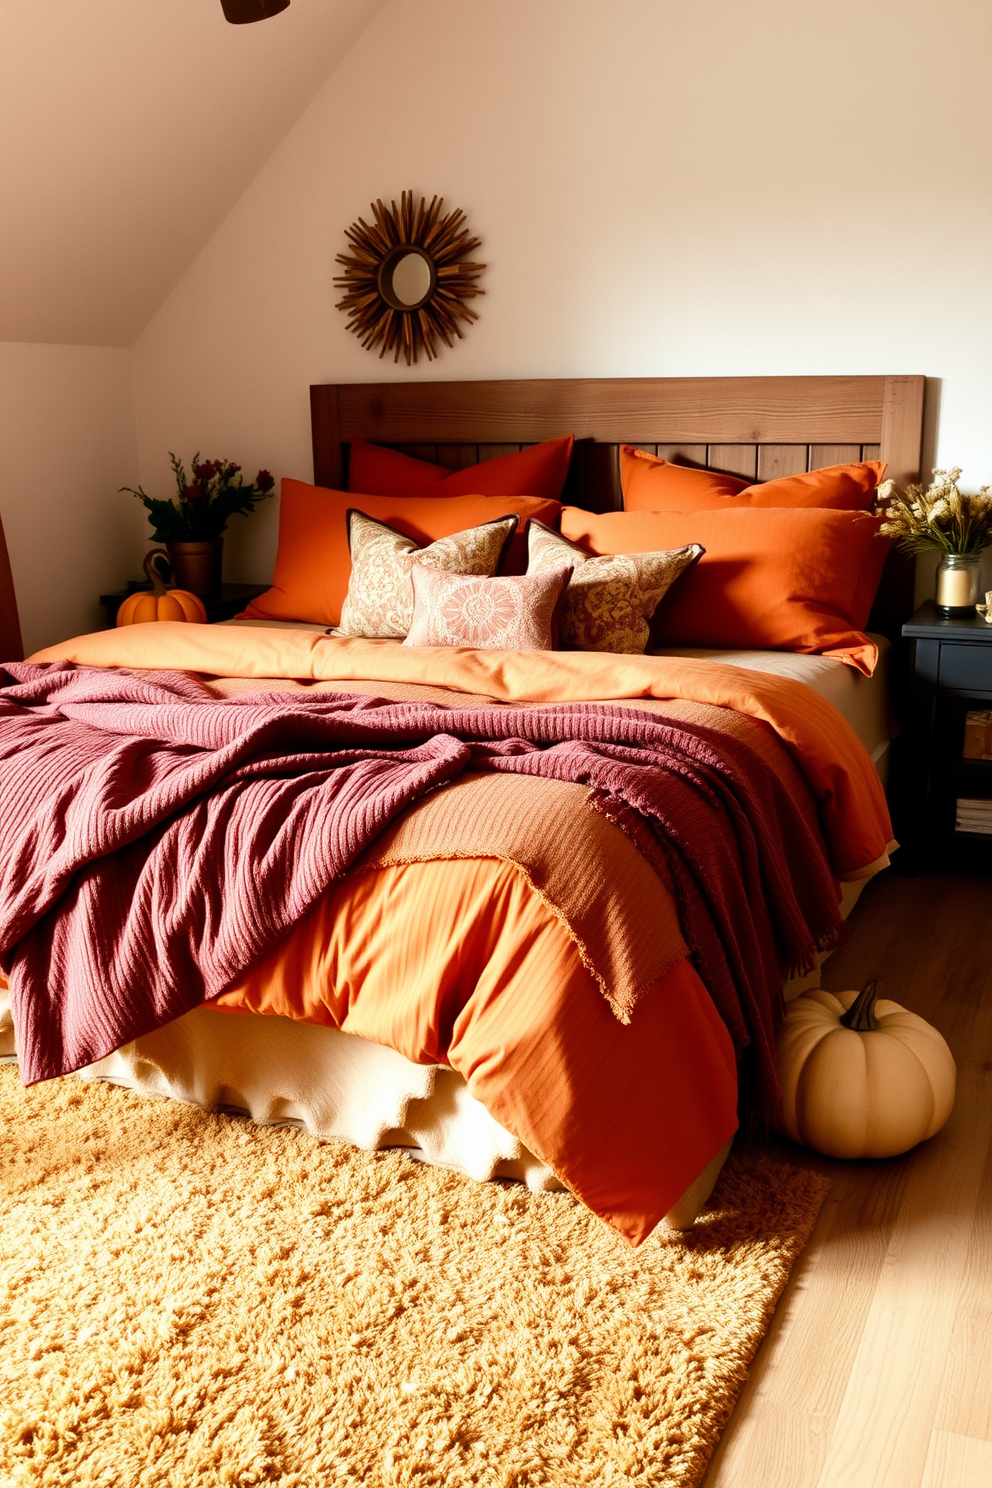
(128, 128)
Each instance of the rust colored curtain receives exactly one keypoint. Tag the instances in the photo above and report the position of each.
(11, 647)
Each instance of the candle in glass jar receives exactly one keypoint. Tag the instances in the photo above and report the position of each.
(955, 588)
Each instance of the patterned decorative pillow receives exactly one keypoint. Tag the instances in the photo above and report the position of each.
(610, 599)
(518, 613)
(379, 601)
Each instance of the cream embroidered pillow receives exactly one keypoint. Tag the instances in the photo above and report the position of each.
(379, 601)
(518, 613)
(610, 599)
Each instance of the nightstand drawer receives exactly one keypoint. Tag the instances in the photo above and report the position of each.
(965, 668)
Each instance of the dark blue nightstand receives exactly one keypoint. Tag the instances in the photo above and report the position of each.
(952, 673)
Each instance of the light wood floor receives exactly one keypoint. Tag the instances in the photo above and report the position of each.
(877, 1371)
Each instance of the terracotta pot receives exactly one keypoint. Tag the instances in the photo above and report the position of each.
(197, 565)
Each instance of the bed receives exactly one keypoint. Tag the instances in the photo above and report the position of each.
(355, 1068)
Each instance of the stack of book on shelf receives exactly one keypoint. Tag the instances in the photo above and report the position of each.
(974, 814)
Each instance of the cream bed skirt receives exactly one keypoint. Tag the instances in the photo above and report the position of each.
(337, 1087)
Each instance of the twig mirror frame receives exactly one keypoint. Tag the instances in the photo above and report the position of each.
(376, 313)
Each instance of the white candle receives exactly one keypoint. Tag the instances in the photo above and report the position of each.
(955, 587)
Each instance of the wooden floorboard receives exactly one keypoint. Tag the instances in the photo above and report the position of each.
(965, 1406)
(958, 1462)
(877, 1371)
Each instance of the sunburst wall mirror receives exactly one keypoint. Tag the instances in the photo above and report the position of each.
(408, 276)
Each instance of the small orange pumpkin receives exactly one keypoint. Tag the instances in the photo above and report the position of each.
(161, 603)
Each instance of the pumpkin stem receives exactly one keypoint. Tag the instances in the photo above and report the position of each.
(153, 569)
(861, 1014)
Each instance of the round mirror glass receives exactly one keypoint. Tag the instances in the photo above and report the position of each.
(410, 280)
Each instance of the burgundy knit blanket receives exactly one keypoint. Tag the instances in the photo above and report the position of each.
(156, 841)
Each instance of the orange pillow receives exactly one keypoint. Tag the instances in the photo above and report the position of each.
(313, 564)
(645, 479)
(538, 471)
(650, 484)
(775, 580)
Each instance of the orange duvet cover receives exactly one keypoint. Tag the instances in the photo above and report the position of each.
(462, 963)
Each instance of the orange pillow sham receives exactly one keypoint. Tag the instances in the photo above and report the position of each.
(650, 484)
(645, 479)
(778, 580)
(538, 471)
(313, 565)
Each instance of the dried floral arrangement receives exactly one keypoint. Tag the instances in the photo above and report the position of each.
(937, 517)
(200, 510)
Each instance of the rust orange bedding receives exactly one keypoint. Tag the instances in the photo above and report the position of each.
(460, 963)
(626, 1115)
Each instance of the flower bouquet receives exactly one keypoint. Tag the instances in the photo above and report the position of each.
(200, 510)
(940, 518)
(192, 523)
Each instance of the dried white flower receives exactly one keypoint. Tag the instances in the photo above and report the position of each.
(940, 516)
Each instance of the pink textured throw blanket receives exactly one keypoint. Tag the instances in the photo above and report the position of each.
(156, 841)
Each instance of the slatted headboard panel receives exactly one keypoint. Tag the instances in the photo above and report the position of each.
(758, 427)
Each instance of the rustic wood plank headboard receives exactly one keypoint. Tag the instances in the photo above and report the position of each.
(758, 427)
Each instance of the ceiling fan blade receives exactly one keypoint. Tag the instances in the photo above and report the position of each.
(240, 12)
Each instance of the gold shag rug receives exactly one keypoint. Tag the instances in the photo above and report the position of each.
(190, 1299)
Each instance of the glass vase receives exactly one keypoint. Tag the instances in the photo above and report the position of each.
(958, 579)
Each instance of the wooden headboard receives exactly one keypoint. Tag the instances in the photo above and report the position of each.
(758, 427)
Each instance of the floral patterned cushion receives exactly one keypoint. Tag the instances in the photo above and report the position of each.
(379, 601)
(507, 614)
(610, 599)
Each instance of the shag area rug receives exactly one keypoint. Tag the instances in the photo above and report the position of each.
(190, 1299)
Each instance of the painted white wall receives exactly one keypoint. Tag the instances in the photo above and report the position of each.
(663, 187)
(130, 128)
(67, 442)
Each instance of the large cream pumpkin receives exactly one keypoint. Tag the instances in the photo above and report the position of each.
(861, 1077)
